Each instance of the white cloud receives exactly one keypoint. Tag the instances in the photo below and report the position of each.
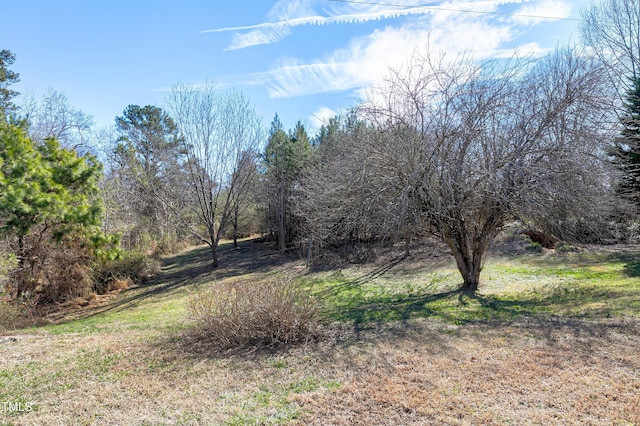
(289, 14)
(544, 10)
(320, 117)
(487, 28)
(258, 37)
(366, 60)
(528, 49)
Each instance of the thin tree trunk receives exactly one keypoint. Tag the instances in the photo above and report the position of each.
(214, 255)
(407, 243)
(235, 234)
(21, 285)
(281, 222)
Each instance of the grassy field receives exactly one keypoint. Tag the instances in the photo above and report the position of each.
(549, 339)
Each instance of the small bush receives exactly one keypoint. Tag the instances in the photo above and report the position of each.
(535, 247)
(245, 313)
(131, 267)
(544, 240)
(564, 247)
(16, 314)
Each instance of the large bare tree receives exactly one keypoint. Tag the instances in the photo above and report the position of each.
(217, 131)
(460, 147)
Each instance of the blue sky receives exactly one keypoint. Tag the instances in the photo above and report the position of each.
(302, 59)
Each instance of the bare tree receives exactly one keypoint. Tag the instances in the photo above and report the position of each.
(355, 193)
(217, 131)
(462, 147)
(611, 28)
(53, 117)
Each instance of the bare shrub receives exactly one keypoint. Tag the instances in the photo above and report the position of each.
(247, 313)
(51, 270)
(13, 314)
(121, 284)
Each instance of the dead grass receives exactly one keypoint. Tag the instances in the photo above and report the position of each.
(526, 373)
(544, 371)
(125, 363)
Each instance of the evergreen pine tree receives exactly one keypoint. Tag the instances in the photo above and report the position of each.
(626, 148)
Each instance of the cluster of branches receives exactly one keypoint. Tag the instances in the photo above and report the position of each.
(457, 148)
(611, 29)
(191, 170)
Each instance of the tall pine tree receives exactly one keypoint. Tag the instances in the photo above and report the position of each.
(626, 148)
(285, 157)
(7, 77)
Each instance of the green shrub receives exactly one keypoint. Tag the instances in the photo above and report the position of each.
(534, 247)
(130, 265)
(246, 313)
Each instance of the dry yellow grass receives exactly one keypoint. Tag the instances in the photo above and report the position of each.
(528, 373)
(421, 372)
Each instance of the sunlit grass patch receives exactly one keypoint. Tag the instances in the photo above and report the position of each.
(160, 315)
(594, 286)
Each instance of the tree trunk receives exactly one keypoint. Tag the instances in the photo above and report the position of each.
(235, 234)
(281, 222)
(471, 277)
(21, 286)
(468, 250)
(469, 266)
(214, 255)
(407, 243)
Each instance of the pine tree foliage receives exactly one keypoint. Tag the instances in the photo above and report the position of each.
(7, 77)
(284, 159)
(626, 148)
(47, 193)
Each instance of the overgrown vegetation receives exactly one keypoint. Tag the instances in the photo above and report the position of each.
(129, 268)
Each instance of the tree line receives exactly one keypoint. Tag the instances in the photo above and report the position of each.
(446, 146)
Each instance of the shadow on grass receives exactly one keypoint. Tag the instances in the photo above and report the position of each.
(629, 259)
(631, 264)
(461, 307)
(193, 268)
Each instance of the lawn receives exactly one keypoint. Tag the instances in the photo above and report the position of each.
(549, 339)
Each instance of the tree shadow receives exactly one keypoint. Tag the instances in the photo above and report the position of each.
(631, 263)
(366, 278)
(459, 306)
(193, 268)
(394, 308)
